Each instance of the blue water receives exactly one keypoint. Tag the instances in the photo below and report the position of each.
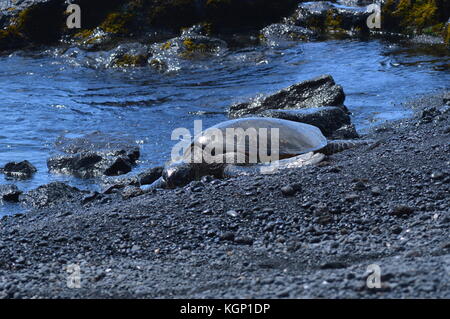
(44, 96)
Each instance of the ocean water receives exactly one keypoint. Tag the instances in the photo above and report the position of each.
(45, 95)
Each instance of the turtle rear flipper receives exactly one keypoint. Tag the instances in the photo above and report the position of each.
(337, 146)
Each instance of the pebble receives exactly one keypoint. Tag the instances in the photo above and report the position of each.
(402, 210)
(359, 186)
(437, 176)
(232, 213)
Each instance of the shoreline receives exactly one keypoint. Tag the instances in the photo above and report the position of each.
(387, 204)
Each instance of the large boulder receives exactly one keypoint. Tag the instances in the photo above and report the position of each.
(328, 119)
(94, 155)
(19, 170)
(318, 92)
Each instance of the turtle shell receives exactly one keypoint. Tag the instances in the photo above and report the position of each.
(295, 138)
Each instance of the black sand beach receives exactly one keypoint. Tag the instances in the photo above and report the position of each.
(248, 237)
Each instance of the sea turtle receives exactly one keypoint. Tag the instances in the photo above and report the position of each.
(299, 144)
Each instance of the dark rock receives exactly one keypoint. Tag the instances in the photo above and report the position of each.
(131, 191)
(333, 265)
(291, 190)
(9, 193)
(243, 240)
(330, 17)
(19, 170)
(150, 175)
(228, 236)
(94, 155)
(402, 210)
(437, 175)
(188, 46)
(317, 92)
(329, 119)
(52, 194)
(275, 33)
(359, 186)
(288, 191)
(396, 230)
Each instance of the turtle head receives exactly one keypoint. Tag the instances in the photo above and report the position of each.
(178, 174)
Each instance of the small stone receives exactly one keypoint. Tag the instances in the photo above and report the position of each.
(375, 191)
(351, 197)
(232, 213)
(437, 176)
(229, 236)
(243, 240)
(402, 210)
(396, 230)
(135, 248)
(288, 191)
(359, 186)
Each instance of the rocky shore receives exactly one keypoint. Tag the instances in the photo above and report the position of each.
(137, 33)
(300, 233)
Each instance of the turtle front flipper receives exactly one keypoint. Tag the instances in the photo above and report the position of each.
(159, 183)
(337, 146)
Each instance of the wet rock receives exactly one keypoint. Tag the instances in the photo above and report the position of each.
(187, 46)
(52, 194)
(9, 193)
(129, 55)
(90, 40)
(376, 191)
(331, 17)
(19, 170)
(317, 92)
(94, 155)
(346, 132)
(278, 32)
(150, 175)
(427, 115)
(329, 119)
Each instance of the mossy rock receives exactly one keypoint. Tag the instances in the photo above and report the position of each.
(117, 23)
(446, 33)
(415, 16)
(129, 60)
(41, 23)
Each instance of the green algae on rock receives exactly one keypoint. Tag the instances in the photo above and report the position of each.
(416, 16)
